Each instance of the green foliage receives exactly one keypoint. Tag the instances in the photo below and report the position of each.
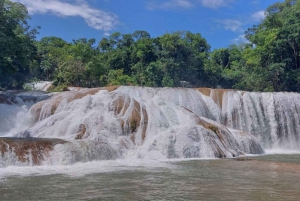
(276, 54)
(27, 87)
(269, 62)
(50, 49)
(125, 59)
(167, 81)
(116, 77)
(58, 88)
(17, 51)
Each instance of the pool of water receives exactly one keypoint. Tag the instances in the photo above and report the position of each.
(268, 177)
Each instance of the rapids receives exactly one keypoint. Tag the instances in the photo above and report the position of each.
(111, 123)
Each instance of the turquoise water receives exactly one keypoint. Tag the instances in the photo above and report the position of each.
(270, 177)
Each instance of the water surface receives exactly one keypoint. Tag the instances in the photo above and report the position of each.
(269, 177)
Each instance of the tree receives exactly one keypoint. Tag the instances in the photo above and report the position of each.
(17, 51)
(50, 50)
(276, 40)
(116, 77)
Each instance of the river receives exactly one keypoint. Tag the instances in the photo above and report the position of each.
(268, 177)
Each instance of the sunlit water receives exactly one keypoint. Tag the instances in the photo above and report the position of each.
(269, 177)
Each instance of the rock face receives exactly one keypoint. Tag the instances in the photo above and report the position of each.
(215, 94)
(47, 108)
(22, 97)
(274, 118)
(136, 121)
(52, 151)
(132, 117)
(141, 122)
(26, 150)
(234, 141)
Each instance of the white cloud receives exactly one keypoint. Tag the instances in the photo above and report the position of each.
(98, 19)
(259, 15)
(185, 4)
(240, 39)
(215, 3)
(170, 4)
(233, 25)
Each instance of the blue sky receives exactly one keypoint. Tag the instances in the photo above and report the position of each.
(221, 22)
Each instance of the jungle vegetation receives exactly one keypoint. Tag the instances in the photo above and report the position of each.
(270, 61)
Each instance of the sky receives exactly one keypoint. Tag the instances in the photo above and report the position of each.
(220, 22)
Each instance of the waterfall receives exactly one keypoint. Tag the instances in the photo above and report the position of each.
(156, 123)
(273, 118)
(14, 106)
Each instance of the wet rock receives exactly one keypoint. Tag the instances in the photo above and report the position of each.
(81, 132)
(22, 97)
(243, 159)
(28, 150)
(215, 94)
(81, 151)
(125, 107)
(47, 108)
(24, 134)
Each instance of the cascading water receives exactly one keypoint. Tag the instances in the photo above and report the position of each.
(274, 118)
(154, 123)
(14, 106)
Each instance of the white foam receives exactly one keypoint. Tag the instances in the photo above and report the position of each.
(14, 119)
(40, 85)
(82, 169)
(281, 151)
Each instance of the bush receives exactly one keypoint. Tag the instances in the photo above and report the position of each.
(58, 88)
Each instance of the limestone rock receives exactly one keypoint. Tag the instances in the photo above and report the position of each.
(28, 150)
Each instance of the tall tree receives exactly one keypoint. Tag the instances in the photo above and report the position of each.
(277, 45)
(17, 50)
